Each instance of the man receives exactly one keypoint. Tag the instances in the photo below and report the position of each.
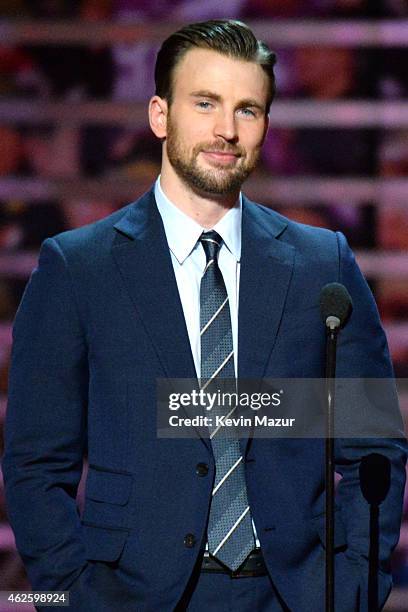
(151, 292)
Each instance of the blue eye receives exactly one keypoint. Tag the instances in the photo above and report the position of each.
(204, 105)
(248, 112)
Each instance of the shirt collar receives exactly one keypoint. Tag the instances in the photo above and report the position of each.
(182, 232)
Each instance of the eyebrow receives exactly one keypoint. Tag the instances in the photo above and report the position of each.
(247, 102)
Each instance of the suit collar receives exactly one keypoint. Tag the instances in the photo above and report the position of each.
(146, 215)
(262, 221)
(140, 218)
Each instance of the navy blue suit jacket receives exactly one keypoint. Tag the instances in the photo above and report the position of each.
(99, 322)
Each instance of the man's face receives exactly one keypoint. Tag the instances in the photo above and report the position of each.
(216, 123)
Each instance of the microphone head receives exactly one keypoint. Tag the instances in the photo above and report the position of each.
(375, 477)
(335, 303)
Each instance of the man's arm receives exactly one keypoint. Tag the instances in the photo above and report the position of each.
(45, 430)
(363, 353)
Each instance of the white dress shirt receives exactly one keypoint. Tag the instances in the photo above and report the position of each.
(189, 261)
(188, 258)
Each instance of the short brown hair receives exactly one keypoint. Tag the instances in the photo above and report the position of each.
(229, 37)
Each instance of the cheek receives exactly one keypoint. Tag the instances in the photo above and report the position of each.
(253, 142)
(200, 133)
(199, 139)
(190, 135)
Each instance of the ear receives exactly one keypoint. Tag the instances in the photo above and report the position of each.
(158, 116)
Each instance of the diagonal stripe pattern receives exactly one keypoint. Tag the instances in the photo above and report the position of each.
(230, 534)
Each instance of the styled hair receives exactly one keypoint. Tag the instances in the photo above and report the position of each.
(229, 37)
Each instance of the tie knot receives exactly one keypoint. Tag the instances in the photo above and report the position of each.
(211, 242)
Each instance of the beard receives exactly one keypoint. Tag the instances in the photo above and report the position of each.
(221, 179)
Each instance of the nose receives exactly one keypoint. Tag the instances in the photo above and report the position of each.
(225, 126)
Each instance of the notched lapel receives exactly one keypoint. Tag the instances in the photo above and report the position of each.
(266, 271)
(142, 255)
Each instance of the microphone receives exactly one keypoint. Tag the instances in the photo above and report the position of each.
(375, 477)
(375, 482)
(335, 305)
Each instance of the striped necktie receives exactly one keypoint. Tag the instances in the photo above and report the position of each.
(230, 533)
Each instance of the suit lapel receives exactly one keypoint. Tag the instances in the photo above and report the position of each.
(142, 255)
(266, 271)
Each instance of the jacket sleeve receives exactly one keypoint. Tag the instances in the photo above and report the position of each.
(363, 353)
(45, 429)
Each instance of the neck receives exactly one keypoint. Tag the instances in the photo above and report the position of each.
(206, 209)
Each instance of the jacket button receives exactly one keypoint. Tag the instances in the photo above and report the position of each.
(189, 540)
(201, 469)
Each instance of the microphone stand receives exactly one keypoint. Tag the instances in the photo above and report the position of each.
(375, 481)
(333, 326)
(373, 561)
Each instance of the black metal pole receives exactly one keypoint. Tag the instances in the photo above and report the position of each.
(329, 472)
(373, 559)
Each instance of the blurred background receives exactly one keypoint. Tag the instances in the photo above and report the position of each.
(75, 78)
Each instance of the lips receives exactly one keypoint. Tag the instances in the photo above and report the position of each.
(221, 156)
(227, 153)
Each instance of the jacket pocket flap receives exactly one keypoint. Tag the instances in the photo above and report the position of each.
(109, 487)
(103, 544)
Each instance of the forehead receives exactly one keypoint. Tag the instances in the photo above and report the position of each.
(204, 69)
